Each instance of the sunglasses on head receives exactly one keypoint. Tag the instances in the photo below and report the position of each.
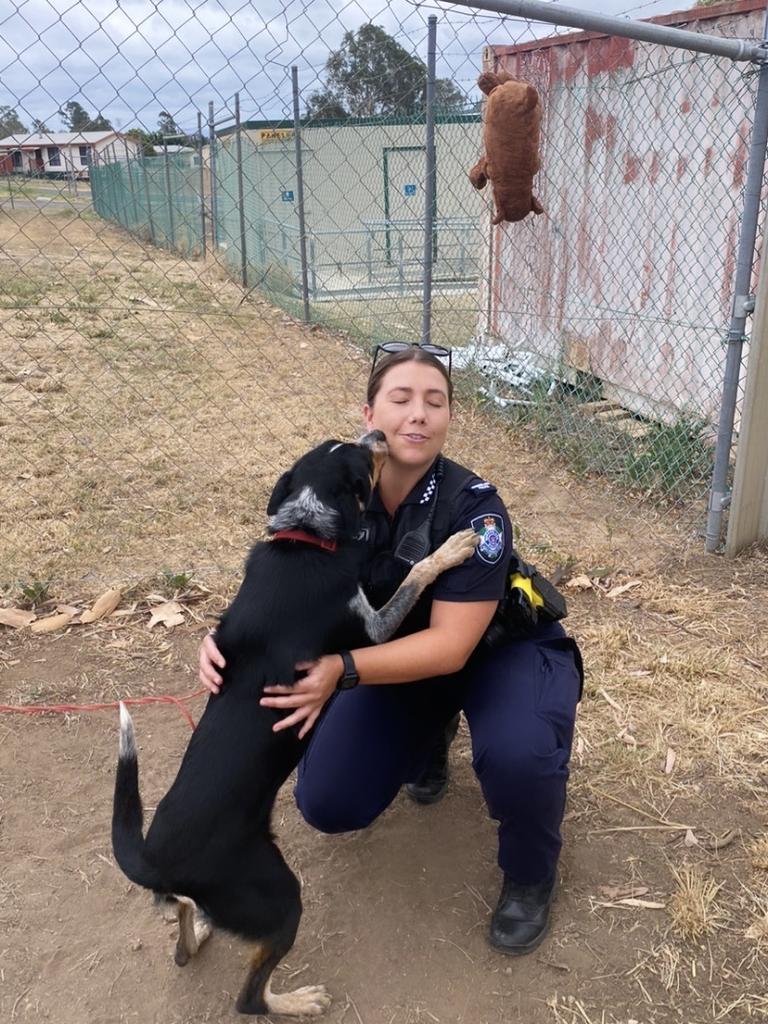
(390, 347)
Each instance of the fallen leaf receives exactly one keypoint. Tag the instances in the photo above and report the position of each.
(68, 608)
(618, 591)
(690, 839)
(758, 930)
(720, 842)
(619, 892)
(580, 583)
(642, 904)
(169, 613)
(626, 737)
(645, 904)
(102, 606)
(51, 623)
(669, 763)
(16, 618)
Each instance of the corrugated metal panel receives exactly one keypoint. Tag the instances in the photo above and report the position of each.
(628, 276)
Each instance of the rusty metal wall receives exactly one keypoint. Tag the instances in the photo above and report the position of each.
(628, 277)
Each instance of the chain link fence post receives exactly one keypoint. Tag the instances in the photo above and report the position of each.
(430, 191)
(743, 305)
(240, 192)
(212, 173)
(300, 194)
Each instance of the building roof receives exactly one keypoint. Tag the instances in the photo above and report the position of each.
(34, 140)
(354, 122)
(683, 17)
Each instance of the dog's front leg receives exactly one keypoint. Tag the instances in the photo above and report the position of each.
(381, 623)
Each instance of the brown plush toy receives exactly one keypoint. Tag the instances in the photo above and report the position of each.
(511, 137)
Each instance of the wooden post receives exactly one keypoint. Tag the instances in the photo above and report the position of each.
(748, 517)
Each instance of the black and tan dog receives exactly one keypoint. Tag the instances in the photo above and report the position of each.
(209, 848)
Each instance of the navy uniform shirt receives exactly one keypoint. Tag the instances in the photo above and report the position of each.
(481, 578)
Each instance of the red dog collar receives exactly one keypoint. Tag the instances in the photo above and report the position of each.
(308, 538)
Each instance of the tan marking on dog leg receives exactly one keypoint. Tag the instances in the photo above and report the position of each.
(452, 552)
(252, 998)
(203, 929)
(308, 1001)
(193, 931)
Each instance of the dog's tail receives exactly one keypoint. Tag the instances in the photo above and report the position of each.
(127, 812)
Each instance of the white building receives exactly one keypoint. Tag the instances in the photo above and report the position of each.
(64, 153)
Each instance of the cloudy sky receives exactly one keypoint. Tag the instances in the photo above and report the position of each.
(130, 59)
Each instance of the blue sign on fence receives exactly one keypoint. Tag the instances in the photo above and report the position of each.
(409, 190)
(287, 197)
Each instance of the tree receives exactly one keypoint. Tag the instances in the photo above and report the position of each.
(324, 105)
(74, 116)
(144, 139)
(10, 123)
(100, 124)
(40, 127)
(166, 125)
(449, 99)
(77, 119)
(371, 75)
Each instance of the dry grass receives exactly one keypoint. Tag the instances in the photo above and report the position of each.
(759, 854)
(693, 907)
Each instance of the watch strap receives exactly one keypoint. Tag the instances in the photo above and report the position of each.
(349, 676)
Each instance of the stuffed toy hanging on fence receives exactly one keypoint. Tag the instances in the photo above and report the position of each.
(511, 137)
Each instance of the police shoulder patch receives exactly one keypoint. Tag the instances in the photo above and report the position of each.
(490, 527)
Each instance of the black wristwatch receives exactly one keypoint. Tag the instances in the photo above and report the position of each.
(349, 676)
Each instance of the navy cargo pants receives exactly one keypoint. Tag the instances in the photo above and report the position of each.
(520, 704)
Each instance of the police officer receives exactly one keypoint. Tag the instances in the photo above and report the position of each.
(519, 696)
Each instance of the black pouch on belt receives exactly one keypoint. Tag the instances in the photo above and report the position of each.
(529, 601)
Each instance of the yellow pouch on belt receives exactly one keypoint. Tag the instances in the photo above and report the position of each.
(525, 584)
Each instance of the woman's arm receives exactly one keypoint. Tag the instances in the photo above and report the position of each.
(455, 629)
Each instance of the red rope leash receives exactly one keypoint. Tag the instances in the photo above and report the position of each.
(61, 709)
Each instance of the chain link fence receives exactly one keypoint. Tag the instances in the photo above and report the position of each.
(157, 368)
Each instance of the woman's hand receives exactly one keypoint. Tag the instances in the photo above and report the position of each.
(209, 658)
(308, 695)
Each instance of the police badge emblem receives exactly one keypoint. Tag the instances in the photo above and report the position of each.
(490, 528)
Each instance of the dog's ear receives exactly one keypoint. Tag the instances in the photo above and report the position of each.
(281, 491)
(363, 488)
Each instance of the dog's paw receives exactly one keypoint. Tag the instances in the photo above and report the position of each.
(309, 1001)
(456, 549)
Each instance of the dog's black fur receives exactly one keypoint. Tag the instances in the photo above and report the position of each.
(210, 842)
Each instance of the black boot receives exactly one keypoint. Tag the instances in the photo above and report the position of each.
(431, 784)
(521, 918)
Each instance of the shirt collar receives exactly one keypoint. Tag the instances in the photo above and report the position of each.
(421, 494)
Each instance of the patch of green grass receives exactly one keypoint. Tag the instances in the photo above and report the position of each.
(33, 592)
(18, 291)
(175, 581)
(671, 461)
(99, 333)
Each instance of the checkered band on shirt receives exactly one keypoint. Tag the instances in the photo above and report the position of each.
(430, 490)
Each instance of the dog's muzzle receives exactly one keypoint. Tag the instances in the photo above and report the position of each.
(376, 441)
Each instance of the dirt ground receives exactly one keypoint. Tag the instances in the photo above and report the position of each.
(144, 413)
